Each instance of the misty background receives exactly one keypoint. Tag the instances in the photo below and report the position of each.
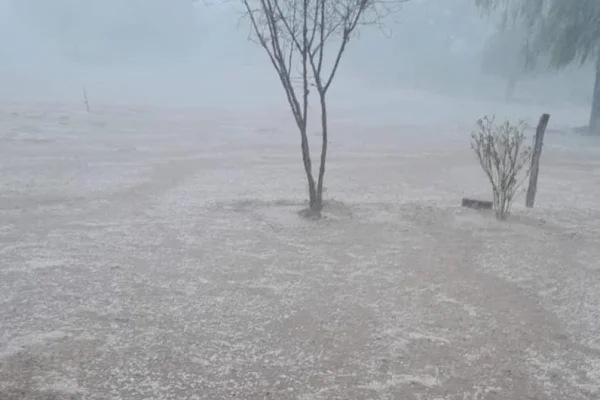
(186, 53)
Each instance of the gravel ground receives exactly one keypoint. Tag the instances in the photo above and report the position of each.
(158, 254)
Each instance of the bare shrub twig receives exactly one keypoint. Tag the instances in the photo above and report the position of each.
(503, 155)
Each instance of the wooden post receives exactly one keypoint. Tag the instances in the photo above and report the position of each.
(535, 160)
(85, 99)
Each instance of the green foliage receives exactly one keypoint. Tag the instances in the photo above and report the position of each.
(566, 31)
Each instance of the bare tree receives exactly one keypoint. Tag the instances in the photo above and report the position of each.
(502, 154)
(305, 41)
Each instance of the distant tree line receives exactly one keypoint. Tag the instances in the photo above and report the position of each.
(559, 33)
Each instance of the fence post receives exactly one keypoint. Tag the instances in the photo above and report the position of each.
(85, 99)
(535, 160)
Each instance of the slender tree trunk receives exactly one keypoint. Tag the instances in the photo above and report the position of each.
(595, 114)
(312, 190)
(313, 196)
(325, 139)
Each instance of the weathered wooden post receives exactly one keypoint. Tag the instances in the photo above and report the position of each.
(535, 159)
(85, 99)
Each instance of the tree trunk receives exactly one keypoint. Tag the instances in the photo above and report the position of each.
(324, 142)
(595, 114)
(312, 191)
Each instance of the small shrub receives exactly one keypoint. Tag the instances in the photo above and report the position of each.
(503, 156)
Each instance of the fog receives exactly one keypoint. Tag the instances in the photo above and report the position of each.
(180, 52)
(173, 241)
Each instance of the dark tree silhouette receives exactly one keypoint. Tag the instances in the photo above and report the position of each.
(305, 41)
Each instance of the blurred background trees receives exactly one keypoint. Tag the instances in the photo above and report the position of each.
(560, 33)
